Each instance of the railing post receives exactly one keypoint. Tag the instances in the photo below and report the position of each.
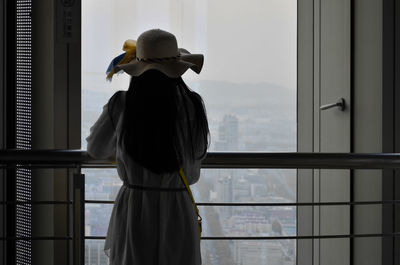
(78, 217)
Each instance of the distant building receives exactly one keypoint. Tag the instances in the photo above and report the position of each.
(228, 134)
(223, 189)
(247, 223)
(255, 252)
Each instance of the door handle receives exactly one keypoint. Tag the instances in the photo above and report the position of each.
(340, 104)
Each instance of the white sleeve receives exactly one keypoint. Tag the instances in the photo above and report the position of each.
(101, 143)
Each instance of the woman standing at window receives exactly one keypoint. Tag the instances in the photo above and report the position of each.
(153, 130)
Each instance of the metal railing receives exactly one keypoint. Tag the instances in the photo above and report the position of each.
(78, 159)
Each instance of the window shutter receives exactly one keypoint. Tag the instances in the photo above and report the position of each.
(23, 125)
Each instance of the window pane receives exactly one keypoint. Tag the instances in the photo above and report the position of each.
(97, 217)
(221, 221)
(248, 252)
(248, 84)
(248, 221)
(215, 185)
(248, 81)
(246, 185)
(94, 253)
(101, 184)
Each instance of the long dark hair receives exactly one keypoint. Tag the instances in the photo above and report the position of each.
(158, 131)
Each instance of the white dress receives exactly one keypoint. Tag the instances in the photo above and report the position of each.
(147, 227)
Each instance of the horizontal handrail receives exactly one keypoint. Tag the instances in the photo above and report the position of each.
(395, 234)
(367, 235)
(72, 158)
(283, 204)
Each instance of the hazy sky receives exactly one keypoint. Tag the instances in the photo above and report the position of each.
(242, 41)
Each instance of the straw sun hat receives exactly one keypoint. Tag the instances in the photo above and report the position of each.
(155, 49)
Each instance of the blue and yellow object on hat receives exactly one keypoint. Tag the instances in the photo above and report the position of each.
(130, 53)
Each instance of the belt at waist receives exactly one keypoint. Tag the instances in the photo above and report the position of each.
(138, 187)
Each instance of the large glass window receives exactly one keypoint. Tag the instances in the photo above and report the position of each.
(248, 84)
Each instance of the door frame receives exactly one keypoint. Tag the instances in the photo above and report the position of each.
(391, 126)
(390, 109)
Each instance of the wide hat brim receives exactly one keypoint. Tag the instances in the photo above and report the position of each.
(173, 67)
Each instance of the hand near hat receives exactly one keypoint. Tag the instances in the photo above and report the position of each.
(130, 53)
(155, 49)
